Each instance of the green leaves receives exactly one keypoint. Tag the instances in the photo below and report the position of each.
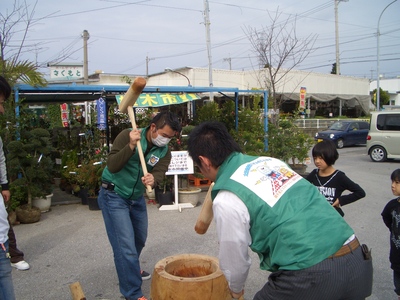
(25, 71)
(29, 162)
(288, 142)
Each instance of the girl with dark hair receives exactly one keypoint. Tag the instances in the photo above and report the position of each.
(391, 218)
(331, 182)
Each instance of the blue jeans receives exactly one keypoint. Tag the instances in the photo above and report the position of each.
(6, 284)
(126, 225)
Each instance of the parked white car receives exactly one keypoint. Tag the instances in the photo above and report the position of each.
(383, 140)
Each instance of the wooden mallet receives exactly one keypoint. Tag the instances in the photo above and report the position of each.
(126, 105)
(76, 291)
(206, 214)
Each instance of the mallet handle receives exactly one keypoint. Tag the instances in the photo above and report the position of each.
(138, 145)
(76, 291)
(206, 214)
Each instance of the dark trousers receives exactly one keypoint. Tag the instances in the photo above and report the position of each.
(343, 278)
(396, 280)
(16, 254)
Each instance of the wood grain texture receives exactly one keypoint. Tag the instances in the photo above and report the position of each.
(204, 280)
(206, 214)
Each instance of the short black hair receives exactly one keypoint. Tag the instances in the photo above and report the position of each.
(167, 118)
(5, 88)
(395, 175)
(327, 150)
(212, 140)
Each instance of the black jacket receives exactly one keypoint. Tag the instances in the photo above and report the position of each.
(391, 218)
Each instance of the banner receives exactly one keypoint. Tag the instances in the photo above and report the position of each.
(64, 114)
(101, 114)
(155, 100)
(303, 91)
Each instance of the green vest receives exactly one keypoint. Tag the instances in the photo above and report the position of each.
(292, 226)
(128, 182)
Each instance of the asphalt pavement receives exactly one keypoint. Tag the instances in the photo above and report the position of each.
(69, 243)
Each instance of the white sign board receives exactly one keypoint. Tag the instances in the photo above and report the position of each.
(181, 163)
(66, 72)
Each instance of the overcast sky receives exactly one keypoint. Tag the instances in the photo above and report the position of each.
(172, 34)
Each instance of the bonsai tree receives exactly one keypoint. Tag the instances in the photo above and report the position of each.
(30, 164)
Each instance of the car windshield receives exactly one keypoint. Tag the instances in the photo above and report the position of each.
(340, 126)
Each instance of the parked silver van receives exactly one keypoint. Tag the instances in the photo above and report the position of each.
(383, 140)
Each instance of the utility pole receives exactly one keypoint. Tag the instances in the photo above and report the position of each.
(378, 92)
(85, 36)
(337, 45)
(229, 60)
(337, 35)
(147, 64)
(208, 40)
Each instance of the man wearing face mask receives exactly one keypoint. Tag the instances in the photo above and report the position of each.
(121, 195)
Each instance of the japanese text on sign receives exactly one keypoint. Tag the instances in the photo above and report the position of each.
(154, 100)
(181, 163)
(66, 72)
(303, 91)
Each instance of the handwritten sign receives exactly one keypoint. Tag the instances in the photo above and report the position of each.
(181, 163)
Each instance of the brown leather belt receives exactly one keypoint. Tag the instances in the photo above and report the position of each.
(346, 249)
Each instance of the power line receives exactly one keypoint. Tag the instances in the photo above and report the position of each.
(238, 42)
(147, 42)
(92, 10)
(351, 62)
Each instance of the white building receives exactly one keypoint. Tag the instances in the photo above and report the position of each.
(391, 86)
(326, 92)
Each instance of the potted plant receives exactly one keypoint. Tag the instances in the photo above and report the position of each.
(69, 165)
(43, 203)
(188, 193)
(89, 178)
(69, 180)
(164, 191)
(17, 198)
(30, 165)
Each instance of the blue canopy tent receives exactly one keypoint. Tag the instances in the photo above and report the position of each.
(64, 93)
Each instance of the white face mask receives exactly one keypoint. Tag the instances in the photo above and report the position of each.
(160, 141)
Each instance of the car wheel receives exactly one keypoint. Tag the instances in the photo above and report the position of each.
(340, 143)
(378, 154)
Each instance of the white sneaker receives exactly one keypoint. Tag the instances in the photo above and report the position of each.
(21, 265)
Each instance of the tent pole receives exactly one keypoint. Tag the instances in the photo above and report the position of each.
(236, 111)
